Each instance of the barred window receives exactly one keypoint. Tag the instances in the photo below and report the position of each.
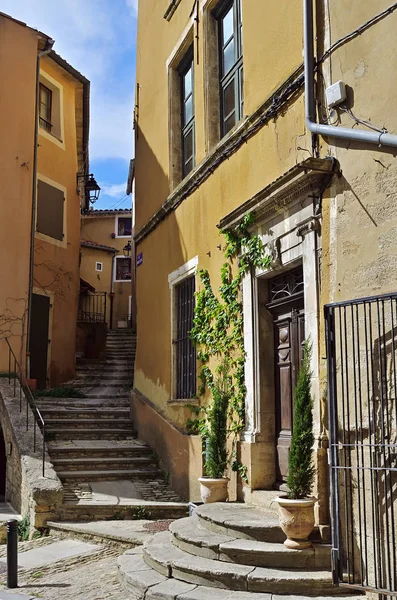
(185, 354)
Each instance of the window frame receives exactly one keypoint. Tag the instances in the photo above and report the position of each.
(116, 231)
(174, 279)
(235, 74)
(45, 123)
(115, 269)
(100, 270)
(187, 64)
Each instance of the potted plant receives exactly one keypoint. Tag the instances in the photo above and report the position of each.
(213, 485)
(296, 509)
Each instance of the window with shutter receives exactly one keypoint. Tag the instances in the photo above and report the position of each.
(50, 209)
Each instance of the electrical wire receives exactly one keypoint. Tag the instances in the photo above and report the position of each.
(349, 112)
(357, 31)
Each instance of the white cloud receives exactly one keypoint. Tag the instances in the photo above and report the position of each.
(115, 190)
(97, 38)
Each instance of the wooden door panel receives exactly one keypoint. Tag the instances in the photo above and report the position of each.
(39, 339)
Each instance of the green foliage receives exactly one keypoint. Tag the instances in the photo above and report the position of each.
(301, 469)
(216, 452)
(59, 392)
(6, 375)
(218, 332)
(140, 513)
(24, 529)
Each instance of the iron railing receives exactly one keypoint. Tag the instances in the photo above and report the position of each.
(92, 307)
(361, 338)
(15, 373)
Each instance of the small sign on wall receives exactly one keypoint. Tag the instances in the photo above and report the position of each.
(139, 259)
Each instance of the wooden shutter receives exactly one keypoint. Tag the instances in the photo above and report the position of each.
(50, 204)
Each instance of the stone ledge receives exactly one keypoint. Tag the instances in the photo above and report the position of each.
(27, 490)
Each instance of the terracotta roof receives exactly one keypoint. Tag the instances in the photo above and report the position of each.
(106, 211)
(90, 244)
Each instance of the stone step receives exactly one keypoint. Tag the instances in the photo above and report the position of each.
(100, 463)
(85, 386)
(123, 376)
(88, 511)
(83, 403)
(143, 582)
(240, 521)
(123, 450)
(168, 560)
(91, 434)
(93, 422)
(190, 537)
(104, 394)
(86, 362)
(60, 414)
(110, 475)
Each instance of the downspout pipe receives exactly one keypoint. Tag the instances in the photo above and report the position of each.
(344, 133)
(47, 49)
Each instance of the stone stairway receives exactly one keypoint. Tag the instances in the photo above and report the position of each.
(227, 551)
(105, 470)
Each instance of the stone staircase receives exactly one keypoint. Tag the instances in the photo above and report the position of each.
(227, 551)
(105, 470)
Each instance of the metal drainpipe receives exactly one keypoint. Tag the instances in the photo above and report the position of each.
(47, 50)
(357, 135)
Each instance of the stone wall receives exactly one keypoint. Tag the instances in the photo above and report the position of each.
(27, 490)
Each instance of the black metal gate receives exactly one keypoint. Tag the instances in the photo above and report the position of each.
(361, 338)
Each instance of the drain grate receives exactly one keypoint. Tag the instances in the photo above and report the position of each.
(158, 525)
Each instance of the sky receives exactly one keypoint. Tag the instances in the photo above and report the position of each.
(97, 37)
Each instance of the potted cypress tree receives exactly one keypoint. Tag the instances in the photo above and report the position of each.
(213, 485)
(296, 509)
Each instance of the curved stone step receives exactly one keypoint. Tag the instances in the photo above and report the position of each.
(240, 521)
(190, 537)
(110, 475)
(170, 561)
(138, 578)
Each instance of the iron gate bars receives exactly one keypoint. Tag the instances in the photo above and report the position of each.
(361, 338)
(92, 307)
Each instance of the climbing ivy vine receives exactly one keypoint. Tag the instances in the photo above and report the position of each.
(218, 330)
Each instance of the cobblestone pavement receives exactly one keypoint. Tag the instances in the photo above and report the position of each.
(88, 578)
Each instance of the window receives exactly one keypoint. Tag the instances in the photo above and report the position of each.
(187, 112)
(98, 266)
(185, 352)
(51, 109)
(123, 226)
(123, 269)
(45, 107)
(230, 65)
(50, 210)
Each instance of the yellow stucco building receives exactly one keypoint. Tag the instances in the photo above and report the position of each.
(288, 114)
(106, 261)
(44, 167)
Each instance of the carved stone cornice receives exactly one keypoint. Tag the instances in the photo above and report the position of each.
(305, 178)
(312, 224)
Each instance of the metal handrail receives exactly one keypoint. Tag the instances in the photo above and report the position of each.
(30, 401)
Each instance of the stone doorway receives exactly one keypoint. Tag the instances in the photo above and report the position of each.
(286, 305)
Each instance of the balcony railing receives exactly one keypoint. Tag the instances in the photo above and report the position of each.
(92, 307)
(45, 124)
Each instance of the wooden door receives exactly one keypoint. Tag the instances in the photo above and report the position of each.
(38, 346)
(288, 336)
(287, 307)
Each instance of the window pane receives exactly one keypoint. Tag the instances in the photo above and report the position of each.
(229, 99)
(188, 83)
(124, 226)
(230, 123)
(228, 57)
(227, 25)
(123, 269)
(188, 109)
(188, 146)
(241, 99)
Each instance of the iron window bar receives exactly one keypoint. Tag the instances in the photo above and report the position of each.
(45, 124)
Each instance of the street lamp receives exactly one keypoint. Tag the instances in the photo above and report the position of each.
(92, 189)
(127, 249)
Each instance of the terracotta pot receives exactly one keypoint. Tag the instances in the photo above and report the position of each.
(213, 490)
(297, 521)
